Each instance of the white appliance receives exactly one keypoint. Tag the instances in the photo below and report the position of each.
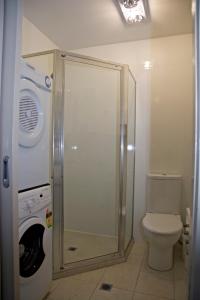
(34, 128)
(35, 243)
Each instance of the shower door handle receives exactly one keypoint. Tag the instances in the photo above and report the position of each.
(6, 180)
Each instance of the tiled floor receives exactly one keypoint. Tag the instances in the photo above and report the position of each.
(132, 280)
(87, 246)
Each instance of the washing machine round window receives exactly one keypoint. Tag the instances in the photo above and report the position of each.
(31, 115)
(32, 246)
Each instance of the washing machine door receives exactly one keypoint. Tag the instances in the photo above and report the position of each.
(32, 246)
(31, 115)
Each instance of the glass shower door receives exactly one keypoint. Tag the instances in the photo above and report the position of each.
(91, 160)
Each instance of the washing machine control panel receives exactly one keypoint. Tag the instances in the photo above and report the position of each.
(34, 200)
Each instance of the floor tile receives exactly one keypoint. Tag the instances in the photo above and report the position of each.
(168, 275)
(54, 284)
(88, 245)
(180, 275)
(139, 249)
(180, 272)
(154, 285)
(124, 275)
(72, 289)
(178, 252)
(135, 260)
(138, 296)
(114, 294)
(133, 276)
(91, 276)
(181, 290)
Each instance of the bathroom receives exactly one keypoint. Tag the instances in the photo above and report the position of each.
(157, 60)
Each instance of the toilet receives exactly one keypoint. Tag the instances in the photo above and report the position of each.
(162, 222)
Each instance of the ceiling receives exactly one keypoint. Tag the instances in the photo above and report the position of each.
(73, 24)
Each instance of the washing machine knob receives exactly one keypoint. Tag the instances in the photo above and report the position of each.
(48, 81)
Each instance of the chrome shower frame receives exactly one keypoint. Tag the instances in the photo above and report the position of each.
(60, 269)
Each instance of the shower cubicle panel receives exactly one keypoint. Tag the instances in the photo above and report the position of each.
(131, 93)
(93, 154)
(94, 151)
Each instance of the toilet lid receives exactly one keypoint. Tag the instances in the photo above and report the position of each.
(162, 223)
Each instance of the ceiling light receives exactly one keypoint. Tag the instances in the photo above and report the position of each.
(147, 65)
(130, 3)
(134, 11)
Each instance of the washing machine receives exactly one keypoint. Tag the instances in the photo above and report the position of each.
(34, 128)
(35, 243)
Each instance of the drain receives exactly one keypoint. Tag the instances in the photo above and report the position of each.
(72, 248)
(106, 287)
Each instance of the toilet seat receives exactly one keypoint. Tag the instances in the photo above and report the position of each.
(162, 223)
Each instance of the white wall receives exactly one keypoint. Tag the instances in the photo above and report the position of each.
(164, 109)
(172, 111)
(33, 40)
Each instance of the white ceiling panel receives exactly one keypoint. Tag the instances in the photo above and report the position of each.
(73, 24)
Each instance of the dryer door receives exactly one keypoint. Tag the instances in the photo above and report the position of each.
(32, 246)
(31, 115)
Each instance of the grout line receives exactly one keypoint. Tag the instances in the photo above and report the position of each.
(98, 282)
(140, 269)
(52, 290)
(139, 272)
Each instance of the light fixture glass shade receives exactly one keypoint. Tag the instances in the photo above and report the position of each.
(129, 3)
(133, 10)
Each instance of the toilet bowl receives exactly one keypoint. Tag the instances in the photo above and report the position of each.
(162, 222)
(162, 231)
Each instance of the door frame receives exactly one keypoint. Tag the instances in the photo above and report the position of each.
(10, 44)
(194, 287)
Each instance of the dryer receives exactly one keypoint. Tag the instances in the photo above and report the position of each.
(35, 243)
(34, 128)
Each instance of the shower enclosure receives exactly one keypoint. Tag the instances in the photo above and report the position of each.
(93, 154)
